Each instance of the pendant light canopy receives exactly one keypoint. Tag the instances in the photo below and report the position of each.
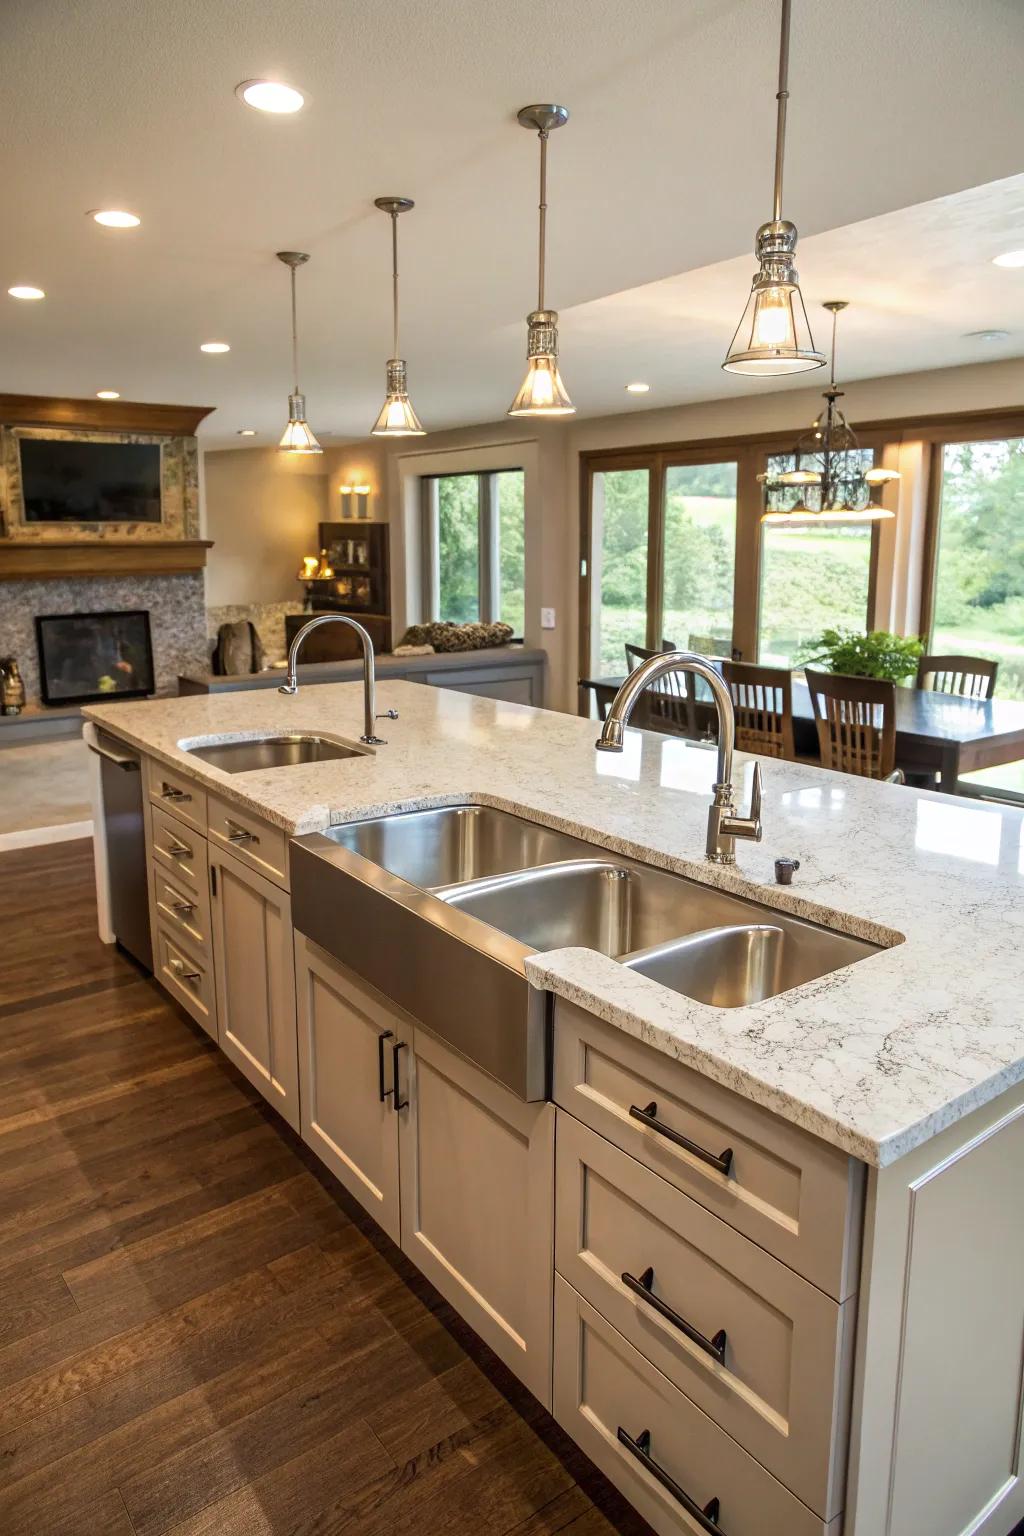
(774, 334)
(829, 481)
(298, 436)
(397, 417)
(542, 392)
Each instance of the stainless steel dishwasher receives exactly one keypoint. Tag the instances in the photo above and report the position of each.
(121, 777)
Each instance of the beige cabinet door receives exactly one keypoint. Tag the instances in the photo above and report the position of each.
(478, 1202)
(251, 922)
(350, 1043)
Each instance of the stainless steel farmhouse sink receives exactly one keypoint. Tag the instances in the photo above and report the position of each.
(440, 909)
(247, 754)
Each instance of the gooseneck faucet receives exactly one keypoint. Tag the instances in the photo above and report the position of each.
(724, 824)
(370, 716)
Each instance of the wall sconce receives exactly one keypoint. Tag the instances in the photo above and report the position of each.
(355, 500)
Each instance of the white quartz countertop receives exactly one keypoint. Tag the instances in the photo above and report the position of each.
(875, 1058)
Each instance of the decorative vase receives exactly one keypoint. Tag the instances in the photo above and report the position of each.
(12, 687)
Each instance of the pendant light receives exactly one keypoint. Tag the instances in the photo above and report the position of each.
(774, 334)
(298, 438)
(828, 480)
(397, 417)
(542, 392)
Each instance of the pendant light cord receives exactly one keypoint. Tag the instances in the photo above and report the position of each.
(543, 206)
(295, 338)
(832, 374)
(782, 97)
(394, 278)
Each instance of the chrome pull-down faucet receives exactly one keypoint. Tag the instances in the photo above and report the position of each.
(370, 716)
(725, 825)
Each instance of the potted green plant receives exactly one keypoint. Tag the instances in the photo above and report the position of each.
(879, 653)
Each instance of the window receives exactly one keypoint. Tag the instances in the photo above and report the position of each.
(812, 578)
(978, 592)
(474, 538)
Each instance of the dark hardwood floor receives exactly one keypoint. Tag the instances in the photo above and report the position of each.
(199, 1331)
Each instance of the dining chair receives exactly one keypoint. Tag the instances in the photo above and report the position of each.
(856, 720)
(762, 700)
(973, 677)
(670, 701)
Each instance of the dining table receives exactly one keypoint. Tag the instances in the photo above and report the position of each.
(936, 733)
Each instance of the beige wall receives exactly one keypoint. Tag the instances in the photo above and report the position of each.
(261, 511)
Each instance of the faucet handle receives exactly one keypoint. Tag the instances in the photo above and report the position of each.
(755, 801)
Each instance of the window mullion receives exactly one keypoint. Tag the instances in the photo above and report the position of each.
(489, 549)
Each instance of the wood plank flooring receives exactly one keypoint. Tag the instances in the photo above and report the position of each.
(200, 1334)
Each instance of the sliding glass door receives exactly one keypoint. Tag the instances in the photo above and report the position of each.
(620, 522)
(699, 557)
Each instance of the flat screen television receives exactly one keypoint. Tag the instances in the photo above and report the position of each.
(73, 480)
(88, 656)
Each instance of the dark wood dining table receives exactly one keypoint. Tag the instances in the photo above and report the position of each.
(935, 732)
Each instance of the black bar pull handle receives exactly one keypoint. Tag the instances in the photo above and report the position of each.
(397, 1102)
(649, 1117)
(644, 1288)
(384, 1093)
(706, 1518)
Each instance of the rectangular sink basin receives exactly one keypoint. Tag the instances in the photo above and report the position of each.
(248, 755)
(715, 948)
(456, 843)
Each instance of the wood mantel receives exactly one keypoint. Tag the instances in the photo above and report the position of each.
(99, 415)
(56, 560)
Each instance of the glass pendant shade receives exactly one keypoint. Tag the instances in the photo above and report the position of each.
(542, 392)
(397, 417)
(298, 435)
(774, 334)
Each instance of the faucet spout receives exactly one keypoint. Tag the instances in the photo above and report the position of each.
(370, 717)
(725, 825)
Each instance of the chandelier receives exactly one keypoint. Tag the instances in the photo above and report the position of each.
(832, 478)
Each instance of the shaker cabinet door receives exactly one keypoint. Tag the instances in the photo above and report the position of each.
(478, 1202)
(255, 978)
(351, 1045)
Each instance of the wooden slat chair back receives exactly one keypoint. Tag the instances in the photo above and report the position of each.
(762, 700)
(973, 677)
(856, 720)
(669, 702)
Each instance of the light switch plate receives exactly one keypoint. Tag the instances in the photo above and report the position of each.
(547, 618)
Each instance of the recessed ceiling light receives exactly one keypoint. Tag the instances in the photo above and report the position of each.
(986, 336)
(24, 291)
(214, 346)
(115, 218)
(246, 432)
(637, 389)
(270, 96)
(108, 394)
(1009, 259)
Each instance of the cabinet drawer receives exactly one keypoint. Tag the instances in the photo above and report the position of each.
(263, 847)
(778, 1381)
(793, 1194)
(177, 794)
(178, 851)
(606, 1393)
(187, 979)
(183, 910)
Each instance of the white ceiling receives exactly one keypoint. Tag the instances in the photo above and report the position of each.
(656, 188)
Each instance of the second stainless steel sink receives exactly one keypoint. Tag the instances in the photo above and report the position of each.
(249, 754)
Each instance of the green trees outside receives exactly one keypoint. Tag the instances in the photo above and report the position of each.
(458, 518)
(979, 588)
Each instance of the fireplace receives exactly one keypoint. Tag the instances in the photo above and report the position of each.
(88, 656)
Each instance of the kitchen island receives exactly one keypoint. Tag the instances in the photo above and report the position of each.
(864, 1238)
